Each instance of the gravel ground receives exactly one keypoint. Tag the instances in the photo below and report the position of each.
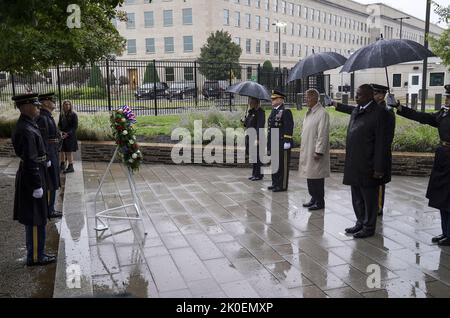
(17, 280)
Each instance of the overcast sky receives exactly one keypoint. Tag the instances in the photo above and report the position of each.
(413, 7)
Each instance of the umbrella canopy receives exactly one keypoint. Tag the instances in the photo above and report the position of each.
(384, 53)
(316, 63)
(250, 89)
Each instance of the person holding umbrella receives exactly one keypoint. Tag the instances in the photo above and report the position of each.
(281, 119)
(255, 119)
(380, 92)
(366, 167)
(438, 191)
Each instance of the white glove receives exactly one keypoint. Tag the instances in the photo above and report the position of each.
(287, 146)
(49, 164)
(38, 193)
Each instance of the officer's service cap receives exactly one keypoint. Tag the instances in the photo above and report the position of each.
(277, 94)
(447, 90)
(26, 99)
(48, 96)
(380, 88)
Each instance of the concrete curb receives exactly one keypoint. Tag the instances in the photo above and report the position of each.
(73, 270)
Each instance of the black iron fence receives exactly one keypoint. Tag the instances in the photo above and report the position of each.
(153, 87)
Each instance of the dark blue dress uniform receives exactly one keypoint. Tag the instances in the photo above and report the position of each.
(31, 175)
(282, 119)
(256, 119)
(438, 191)
(51, 137)
(390, 139)
(366, 153)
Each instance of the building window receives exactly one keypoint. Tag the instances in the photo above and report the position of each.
(249, 73)
(283, 7)
(292, 50)
(284, 49)
(188, 73)
(275, 48)
(267, 47)
(150, 45)
(415, 80)
(248, 22)
(131, 46)
(237, 21)
(188, 43)
(131, 22)
(187, 16)
(226, 17)
(275, 5)
(237, 40)
(248, 46)
(170, 74)
(437, 79)
(258, 22)
(149, 21)
(299, 50)
(168, 18)
(247, 2)
(258, 3)
(258, 46)
(266, 5)
(305, 12)
(267, 24)
(168, 45)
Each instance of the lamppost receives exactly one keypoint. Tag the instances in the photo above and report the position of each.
(279, 25)
(401, 24)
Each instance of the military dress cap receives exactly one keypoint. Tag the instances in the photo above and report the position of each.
(277, 94)
(447, 90)
(26, 99)
(380, 88)
(48, 96)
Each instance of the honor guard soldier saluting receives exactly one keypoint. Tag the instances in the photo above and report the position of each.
(438, 191)
(280, 118)
(30, 199)
(379, 95)
(51, 137)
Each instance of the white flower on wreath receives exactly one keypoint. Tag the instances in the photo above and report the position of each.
(131, 160)
(134, 137)
(123, 120)
(131, 141)
(125, 132)
(134, 156)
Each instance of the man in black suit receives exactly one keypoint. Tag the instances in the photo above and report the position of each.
(365, 158)
(280, 118)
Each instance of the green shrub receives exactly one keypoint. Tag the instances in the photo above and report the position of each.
(85, 93)
(8, 121)
(94, 127)
(415, 137)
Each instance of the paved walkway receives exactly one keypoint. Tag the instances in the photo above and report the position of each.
(213, 233)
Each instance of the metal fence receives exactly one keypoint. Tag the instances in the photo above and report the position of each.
(153, 87)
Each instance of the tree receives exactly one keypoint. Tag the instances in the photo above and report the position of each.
(77, 76)
(150, 76)
(267, 73)
(96, 78)
(441, 45)
(218, 56)
(39, 34)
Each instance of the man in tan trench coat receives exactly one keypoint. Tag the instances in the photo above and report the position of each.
(315, 150)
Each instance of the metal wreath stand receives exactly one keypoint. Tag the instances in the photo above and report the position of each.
(104, 214)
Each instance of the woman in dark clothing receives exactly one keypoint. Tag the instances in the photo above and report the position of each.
(68, 124)
(255, 119)
(438, 191)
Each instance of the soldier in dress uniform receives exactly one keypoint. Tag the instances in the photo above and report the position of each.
(280, 118)
(379, 95)
(438, 191)
(30, 199)
(51, 137)
(255, 119)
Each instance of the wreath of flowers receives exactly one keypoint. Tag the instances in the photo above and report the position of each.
(122, 124)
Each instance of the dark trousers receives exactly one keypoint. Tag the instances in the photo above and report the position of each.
(280, 179)
(381, 196)
(51, 201)
(365, 205)
(35, 241)
(445, 222)
(256, 171)
(316, 189)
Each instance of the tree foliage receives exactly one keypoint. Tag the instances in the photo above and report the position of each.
(150, 76)
(96, 77)
(218, 56)
(36, 35)
(441, 45)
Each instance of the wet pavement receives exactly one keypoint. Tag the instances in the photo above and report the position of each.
(213, 233)
(17, 280)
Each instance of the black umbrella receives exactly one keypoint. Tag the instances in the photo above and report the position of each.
(250, 89)
(384, 53)
(316, 63)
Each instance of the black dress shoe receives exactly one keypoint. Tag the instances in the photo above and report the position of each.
(436, 239)
(380, 213)
(278, 190)
(444, 242)
(69, 168)
(363, 234)
(353, 230)
(251, 178)
(316, 207)
(309, 204)
(55, 215)
(257, 178)
(271, 188)
(45, 260)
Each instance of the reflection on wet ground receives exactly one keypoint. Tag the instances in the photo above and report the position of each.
(213, 233)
